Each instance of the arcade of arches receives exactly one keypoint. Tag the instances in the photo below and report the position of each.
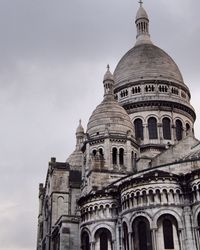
(165, 133)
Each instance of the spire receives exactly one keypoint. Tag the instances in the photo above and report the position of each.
(140, 2)
(142, 25)
(108, 82)
(79, 135)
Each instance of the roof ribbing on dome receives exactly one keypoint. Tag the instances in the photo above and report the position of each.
(145, 61)
(109, 117)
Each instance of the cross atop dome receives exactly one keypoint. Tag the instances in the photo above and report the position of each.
(140, 2)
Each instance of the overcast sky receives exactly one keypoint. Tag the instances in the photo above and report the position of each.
(53, 55)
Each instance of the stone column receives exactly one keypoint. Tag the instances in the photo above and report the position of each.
(130, 240)
(180, 235)
(189, 241)
(146, 135)
(92, 245)
(128, 157)
(170, 198)
(173, 133)
(197, 237)
(113, 245)
(160, 132)
(107, 154)
(154, 240)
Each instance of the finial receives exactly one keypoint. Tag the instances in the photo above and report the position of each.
(79, 121)
(108, 67)
(140, 2)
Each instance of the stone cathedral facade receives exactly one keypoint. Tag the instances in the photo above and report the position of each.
(133, 181)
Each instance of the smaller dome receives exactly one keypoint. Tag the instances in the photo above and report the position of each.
(109, 118)
(80, 129)
(141, 13)
(75, 159)
(108, 75)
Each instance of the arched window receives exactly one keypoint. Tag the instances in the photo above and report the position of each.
(85, 241)
(187, 128)
(121, 156)
(114, 156)
(168, 227)
(152, 127)
(166, 128)
(94, 152)
(168, 234)
(138, 129)
(141, 234)
(179, 130)
(101, 151)
(125, 238)
(103, 239)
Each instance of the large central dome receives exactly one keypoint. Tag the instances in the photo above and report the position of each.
(150, 87)
(146, 61)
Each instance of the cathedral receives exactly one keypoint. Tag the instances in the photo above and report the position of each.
(133, 180)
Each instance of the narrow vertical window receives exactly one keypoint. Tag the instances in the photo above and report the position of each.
(132, 160)
(179, 130)
(152, 127)
(166, 124)
(114, 156)
(138, 129)
(121, 156)
(198, 223)
(198, 220)
(168, 234)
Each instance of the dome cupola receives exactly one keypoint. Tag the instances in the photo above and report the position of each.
(75, 159)
(109, 117)
(80, 129)
(142, 25)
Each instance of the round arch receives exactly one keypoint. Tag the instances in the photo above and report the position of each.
(152, 116)
(173, 213)
(103, 225)
(166, 116)
(138, 117)
(85, 238)
(196, 213)
(127, 221)
(142, 214)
